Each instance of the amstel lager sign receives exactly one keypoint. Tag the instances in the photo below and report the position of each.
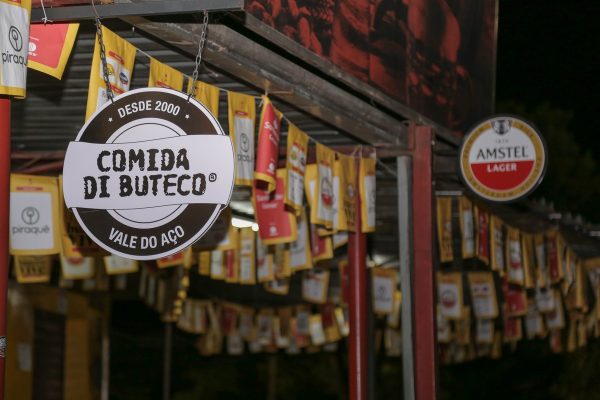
(503, 159)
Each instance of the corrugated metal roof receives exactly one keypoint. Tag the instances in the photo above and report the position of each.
(54, 110)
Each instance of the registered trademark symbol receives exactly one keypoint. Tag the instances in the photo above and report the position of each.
(212, 177)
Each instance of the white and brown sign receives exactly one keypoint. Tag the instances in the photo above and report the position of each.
(148, 175)
(503, 159)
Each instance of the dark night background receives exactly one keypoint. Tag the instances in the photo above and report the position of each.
(547, 70)
(548, 51)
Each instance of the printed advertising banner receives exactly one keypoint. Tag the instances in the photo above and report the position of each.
(436, 56)
(33, 215)
(50, 46)
(14, 39)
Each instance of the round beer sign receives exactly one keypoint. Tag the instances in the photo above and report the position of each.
(149, 174)
(503, 159)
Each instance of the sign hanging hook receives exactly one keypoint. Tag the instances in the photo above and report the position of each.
(198, 62)
(45, 19)
(105, 73)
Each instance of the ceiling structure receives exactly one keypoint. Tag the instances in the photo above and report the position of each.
(54, 110)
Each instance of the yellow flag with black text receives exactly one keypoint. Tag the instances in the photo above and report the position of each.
(207, 95)
(14, 46)
(164, 76)
(120, 58)
(367, 193)
(34, 224)
(242, 116)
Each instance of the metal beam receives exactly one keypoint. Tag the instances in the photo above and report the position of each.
(424, 277)
(146, 8)
(247, 60)
(357, 310)
(5, 130)
(405, 223)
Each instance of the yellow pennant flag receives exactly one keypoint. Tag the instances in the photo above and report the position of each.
(204, 262)
(217, 270)
(297, 146)
(50, 46)
(265, 270)
(280, 287)
(231, 266)
(467, 227)
(77, 267)
(367, 193)
(183, 257)
(33, 269)
(324, 194)
(315, 285)
(340, 223)
(444, 227)
(348, 186)
(163, 76)
(207, 95)
(281, 261)
(115, 264)
(497, 250)
(120, 57)
(383, 286)
(242, 118)
(14, 41)
(514, 256)
(300, 253)
(247, 239)
(310, 182)
(34, 223)
(75, 242)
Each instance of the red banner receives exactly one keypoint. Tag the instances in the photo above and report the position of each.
(50, 46)
(268, 145)
(276, 225)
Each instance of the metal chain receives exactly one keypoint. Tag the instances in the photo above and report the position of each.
(201, 45)
(105, 74)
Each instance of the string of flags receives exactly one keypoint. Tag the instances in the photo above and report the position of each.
(236, 256)
(303, 212)
(498, 284)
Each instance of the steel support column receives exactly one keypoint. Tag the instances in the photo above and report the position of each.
(4, 227)
(405, 223)
(357, 339)
(424, 281)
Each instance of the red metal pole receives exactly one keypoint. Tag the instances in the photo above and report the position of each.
(423, 291)
(357, 339)
(4, 223)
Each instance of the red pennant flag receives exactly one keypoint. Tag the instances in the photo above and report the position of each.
(50, 46)
(275, 224)
(268, 145)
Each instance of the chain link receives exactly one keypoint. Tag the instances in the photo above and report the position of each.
(198, 62)
(105, 75)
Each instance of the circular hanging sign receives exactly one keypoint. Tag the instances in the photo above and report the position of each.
(503, 159)
(149, 174)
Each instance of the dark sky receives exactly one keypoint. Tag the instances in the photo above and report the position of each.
(548, 50)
